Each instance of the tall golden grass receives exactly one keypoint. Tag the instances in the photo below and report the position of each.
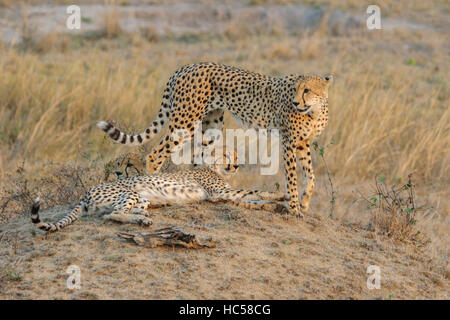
(111, 20)
(387, 114)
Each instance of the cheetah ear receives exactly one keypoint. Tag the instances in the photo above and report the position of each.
(328, 79)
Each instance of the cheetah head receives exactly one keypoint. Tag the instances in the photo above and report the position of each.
(125, 166)
(311, 93)
(226, 166)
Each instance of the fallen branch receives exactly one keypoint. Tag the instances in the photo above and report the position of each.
(171, 236)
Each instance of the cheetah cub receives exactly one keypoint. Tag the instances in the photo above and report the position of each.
(127, 200)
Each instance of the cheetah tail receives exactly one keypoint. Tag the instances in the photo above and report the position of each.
(51, 227)
(129, 139)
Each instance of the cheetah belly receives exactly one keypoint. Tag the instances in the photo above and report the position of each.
(254, 123)
(174, 195)
(102, 208)
(239, 121)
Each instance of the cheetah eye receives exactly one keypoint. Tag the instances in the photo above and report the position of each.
(306, 91)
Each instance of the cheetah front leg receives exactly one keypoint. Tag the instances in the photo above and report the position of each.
(269, 196)
(290, 172)
(304, 153)
(126, 203)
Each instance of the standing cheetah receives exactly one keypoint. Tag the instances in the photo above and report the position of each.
(129, 198)
(297, 105)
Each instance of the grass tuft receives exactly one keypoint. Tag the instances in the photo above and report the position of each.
(394, 210)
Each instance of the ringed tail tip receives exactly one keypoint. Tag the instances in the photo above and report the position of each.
(105, 126)
(36, 204)
(35, 210)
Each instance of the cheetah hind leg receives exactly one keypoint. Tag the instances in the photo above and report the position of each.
(130, 218)
(126, 203)
(171, 143)
(142, 207)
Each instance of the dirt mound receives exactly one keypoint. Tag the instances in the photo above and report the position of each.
(258, 255)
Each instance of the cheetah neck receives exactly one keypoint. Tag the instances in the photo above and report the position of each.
(317, 114)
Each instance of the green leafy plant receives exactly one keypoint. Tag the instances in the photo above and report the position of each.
(394, 209)
(410, 62)
(321, 150)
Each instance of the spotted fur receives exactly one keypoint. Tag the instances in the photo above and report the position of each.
(130, 198)
(297, 105)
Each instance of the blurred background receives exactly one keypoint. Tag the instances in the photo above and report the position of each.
(389, 103)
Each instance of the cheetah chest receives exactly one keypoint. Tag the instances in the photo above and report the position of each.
(321, 123)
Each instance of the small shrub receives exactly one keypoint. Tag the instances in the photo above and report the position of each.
(9, 269)
(410, 62)
(86, 19)
(394, 210)
(56, 184)
(13, 275)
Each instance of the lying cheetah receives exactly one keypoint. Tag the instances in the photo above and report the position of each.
(297, 105)
(125, 166)
(130, 198)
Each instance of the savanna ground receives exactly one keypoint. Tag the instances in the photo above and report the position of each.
(389, 117)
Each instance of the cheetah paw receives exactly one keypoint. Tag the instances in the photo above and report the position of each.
(140, 211)
(281, 209)
(287, 215)
(145, 221)
(300, 215)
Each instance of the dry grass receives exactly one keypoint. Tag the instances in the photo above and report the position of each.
(56, 184)
(27, 27)
(150, 34)
(52, 42)
(389, 116)
(111, 20)
(7, 3)
(398, 113)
